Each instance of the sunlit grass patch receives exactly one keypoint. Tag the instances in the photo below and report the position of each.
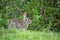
(15, 34)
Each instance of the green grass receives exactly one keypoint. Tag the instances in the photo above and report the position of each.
(14, 34)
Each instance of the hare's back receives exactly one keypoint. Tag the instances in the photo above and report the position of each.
(19, 23)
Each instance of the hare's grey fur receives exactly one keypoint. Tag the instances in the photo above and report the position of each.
(19, 24)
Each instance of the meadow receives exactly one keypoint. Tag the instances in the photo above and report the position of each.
(15, 34)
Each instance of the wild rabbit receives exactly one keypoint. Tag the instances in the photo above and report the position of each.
(19, 24)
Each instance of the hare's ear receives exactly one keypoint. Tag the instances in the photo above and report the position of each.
(24, 16)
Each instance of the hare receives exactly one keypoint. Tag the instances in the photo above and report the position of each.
(19, 24)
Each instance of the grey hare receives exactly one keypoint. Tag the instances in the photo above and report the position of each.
(19, 24)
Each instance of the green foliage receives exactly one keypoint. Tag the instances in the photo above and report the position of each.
(42, 12)
(14, 34)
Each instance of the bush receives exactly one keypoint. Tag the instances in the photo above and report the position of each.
(44, 13)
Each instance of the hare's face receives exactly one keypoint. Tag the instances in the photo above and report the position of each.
(28, 21)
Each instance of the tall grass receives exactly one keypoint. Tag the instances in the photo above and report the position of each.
(14, 34)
